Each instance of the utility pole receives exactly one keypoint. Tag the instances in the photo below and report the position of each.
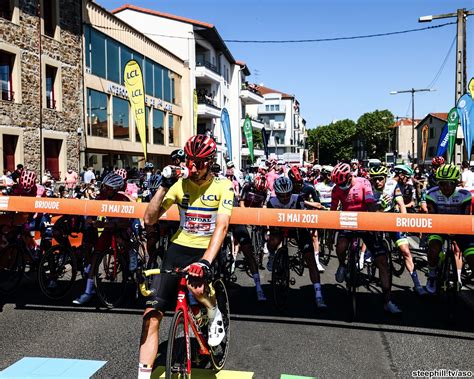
(412, 91)
(461, 75)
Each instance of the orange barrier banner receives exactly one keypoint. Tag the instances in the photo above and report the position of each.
(394, 222)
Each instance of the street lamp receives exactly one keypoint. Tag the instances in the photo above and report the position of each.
(412, 91)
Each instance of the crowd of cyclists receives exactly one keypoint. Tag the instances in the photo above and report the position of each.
(206, 193)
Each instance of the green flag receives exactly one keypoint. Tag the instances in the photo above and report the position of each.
(249, 136)
(453, 119)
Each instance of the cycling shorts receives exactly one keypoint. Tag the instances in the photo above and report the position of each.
(465, 242)
(241, 234)
(372, 240)
(165, 286)
(399, 238)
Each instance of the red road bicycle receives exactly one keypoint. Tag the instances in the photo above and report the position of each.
(186, 325)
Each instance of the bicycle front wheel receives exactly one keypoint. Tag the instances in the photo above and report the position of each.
(57, 272)
(111, 278)
(280, 278)
(11, 268)
(178, 364)
(397, 261)
(219, 353)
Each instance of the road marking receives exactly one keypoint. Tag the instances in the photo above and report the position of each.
(208, 374)
(49, 368)
(286, 376)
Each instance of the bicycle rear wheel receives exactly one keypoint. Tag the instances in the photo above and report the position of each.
(57, 272)
(219, 353)
(111, 278)
(397, 262)
(11, 268)
(179, 348)
(280, 278)
(351, 282)
(448, 286)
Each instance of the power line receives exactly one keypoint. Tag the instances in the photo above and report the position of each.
(296, 40)
(438, 74)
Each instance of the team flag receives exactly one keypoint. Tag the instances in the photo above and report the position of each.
(466, 118)
(443, 141)
(133, 78)
(453, 122)
(265, 142)
(248, 132)
(225, 123)
(424, 139)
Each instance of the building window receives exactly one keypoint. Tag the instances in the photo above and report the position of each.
(171, 130)
(158, 127)
(125, 56)
(6, 9)
(10, 144)
(149, 78)
(277, 107)
(113, 67)
(431, 133)
(97, 114)
(6, 72)
(158, 79)
(267, 107)
(120, 118)
(51, 73)
(49, 17)
(98, 53)
(147, 118)
(167, 74)
(52, 152)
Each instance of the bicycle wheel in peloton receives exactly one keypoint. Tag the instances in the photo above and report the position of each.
(57, 272)
(397, 262)
(448, 287)
(219, 353)
(179, 345)
(351, 282)
(324, 250)
(11, 268)
(280, 278)
(111, 278)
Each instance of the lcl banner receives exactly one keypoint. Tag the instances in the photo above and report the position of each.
(376, 221)
(133, 78)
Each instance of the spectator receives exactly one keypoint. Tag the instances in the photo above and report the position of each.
(71, 179)
(467, 176)
(17, 173)
(46, 177)
(89, 176)
(5, 179)
(84, 169)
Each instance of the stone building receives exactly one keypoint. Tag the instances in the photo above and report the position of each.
(41, 84)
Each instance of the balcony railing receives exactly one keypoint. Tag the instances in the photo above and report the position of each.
(207, 64)
(251, 87)
(8, 95)
(207, 101)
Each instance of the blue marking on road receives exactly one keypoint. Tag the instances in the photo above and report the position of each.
(51, 368)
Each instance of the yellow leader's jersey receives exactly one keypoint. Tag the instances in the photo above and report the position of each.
(198, 209)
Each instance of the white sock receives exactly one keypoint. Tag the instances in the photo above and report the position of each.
(144, 371)
(316, 257)
(459, 275)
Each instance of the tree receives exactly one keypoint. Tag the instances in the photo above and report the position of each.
(335, 141)
(376, 129)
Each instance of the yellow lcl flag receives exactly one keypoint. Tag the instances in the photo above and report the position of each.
(424, 140)
(133, 78)
(471, 87)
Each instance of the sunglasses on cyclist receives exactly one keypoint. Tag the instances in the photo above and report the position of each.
(199, 164)
(378, 178)
(447, 183)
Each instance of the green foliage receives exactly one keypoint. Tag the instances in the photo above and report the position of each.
(335, 141)
(374, 128)
(257, 138)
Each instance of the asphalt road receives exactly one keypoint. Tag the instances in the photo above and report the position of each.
(299, 341)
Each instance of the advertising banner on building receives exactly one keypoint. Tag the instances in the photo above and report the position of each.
(453, 122)
(443, 141)
(466, 119)
(265, 142)
(133, 78)
(225, 123)
(424, 141)
(248, 132)
(195, 103)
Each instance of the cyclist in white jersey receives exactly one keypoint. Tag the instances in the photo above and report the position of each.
(324, 186)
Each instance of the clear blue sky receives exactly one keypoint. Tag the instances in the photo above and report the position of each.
(342, 79)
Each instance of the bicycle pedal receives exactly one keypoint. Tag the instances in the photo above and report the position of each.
(292, 281)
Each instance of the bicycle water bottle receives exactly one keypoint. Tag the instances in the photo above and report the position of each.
(175, 172)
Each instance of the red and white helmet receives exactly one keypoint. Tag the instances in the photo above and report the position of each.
(27, 180)
(295, 175)
(437, 161)
(341, 173)
(200, 147)
(122, 172)
(260, 183)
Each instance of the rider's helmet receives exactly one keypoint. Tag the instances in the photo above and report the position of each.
(282, 185)
(200, 148)
(216, 168)
(378, 171)
(403, 169)
(437, 161)
(341, 173)
(113, 181)
(295, 175)
(260, 183)
(27, 180)
(122, 173)
(326, 170)
(354, 161)
(178, 154)
(448, 172)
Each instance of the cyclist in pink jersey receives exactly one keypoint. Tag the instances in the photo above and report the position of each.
(355, 194)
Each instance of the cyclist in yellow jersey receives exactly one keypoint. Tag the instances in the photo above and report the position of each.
(205, 204)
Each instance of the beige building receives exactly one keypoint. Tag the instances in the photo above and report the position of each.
(110, 137)
(41, 102)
